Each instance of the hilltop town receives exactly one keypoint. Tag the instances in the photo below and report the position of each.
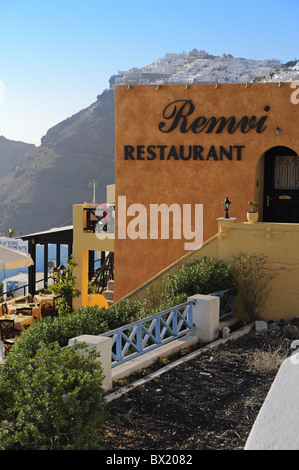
(202, 67)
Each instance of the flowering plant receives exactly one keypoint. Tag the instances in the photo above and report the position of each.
(121, 382)
(163, 361)
(141, 372)
(184, 351)
(253, 206)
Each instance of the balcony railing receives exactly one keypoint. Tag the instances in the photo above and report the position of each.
(24, 288)
(104, 273)
(91, 219)
(145, 335)
(94, 215)
(227, 301)
(137, 338)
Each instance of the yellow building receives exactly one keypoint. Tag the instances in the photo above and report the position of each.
(84, 241)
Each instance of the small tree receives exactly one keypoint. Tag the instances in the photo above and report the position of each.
(9, 233)
(64, 285)
(252, 280)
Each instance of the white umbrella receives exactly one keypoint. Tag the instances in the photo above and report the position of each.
(13, 259)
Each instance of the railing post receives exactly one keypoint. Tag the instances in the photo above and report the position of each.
(206, 316)
(157, 330)
(103, 345)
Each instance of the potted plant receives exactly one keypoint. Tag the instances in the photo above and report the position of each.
(253, 215)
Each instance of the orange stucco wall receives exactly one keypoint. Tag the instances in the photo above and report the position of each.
(207, 181)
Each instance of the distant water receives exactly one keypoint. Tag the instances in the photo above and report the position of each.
(39, 260)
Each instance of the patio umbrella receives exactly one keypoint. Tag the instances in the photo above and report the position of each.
(13, 259)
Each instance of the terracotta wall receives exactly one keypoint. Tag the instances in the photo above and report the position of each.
(205, 180)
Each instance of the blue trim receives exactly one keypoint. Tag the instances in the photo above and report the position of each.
(137, 338)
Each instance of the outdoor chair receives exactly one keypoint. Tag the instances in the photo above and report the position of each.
(56, 297)
(49, 311)
(8, 334)
(4, 309)
(24, 310)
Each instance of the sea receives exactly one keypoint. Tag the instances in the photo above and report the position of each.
(21, 245)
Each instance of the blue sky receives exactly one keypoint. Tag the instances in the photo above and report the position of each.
(57, 56)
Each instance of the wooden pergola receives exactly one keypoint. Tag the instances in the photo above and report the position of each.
(56, 236)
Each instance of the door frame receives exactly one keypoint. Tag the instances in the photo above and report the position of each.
(271, 196)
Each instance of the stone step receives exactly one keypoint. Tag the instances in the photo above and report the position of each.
(108, 294)
(110, 285)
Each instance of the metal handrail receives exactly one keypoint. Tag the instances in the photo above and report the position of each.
(23, 287)
(92, 219)
(227, 301)
(104, 273)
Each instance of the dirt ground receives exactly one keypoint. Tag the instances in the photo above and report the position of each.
(208, 403)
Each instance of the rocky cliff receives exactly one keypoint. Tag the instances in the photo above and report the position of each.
(40, 191)
(10, 154)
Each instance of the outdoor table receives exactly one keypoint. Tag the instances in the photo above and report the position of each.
(42, 298)
(35, 309)
(20, 321)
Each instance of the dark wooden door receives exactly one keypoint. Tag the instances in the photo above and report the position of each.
(281, 190)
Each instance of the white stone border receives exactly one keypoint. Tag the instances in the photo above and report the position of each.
(236, 334)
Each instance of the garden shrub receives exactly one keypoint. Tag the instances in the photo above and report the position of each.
(85, 321)
(64, 285)
(199, 277)
(125, 312)
(53, 401)
(253, 281)
(203, 277)
(169, 303)
(266, 362)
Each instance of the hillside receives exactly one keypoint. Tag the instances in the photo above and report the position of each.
(41, 190)
(38, 190)
(10, 154)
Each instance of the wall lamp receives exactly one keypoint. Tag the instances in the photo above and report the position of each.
(226, 204)
(277, 130)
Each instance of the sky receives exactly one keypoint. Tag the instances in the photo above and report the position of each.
(56, 56)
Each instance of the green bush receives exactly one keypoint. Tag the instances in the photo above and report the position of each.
(204, 277)
(85, 321)
(200, 277)
(64, 285)
(53, 401)
(169, 303)
(125, 312)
